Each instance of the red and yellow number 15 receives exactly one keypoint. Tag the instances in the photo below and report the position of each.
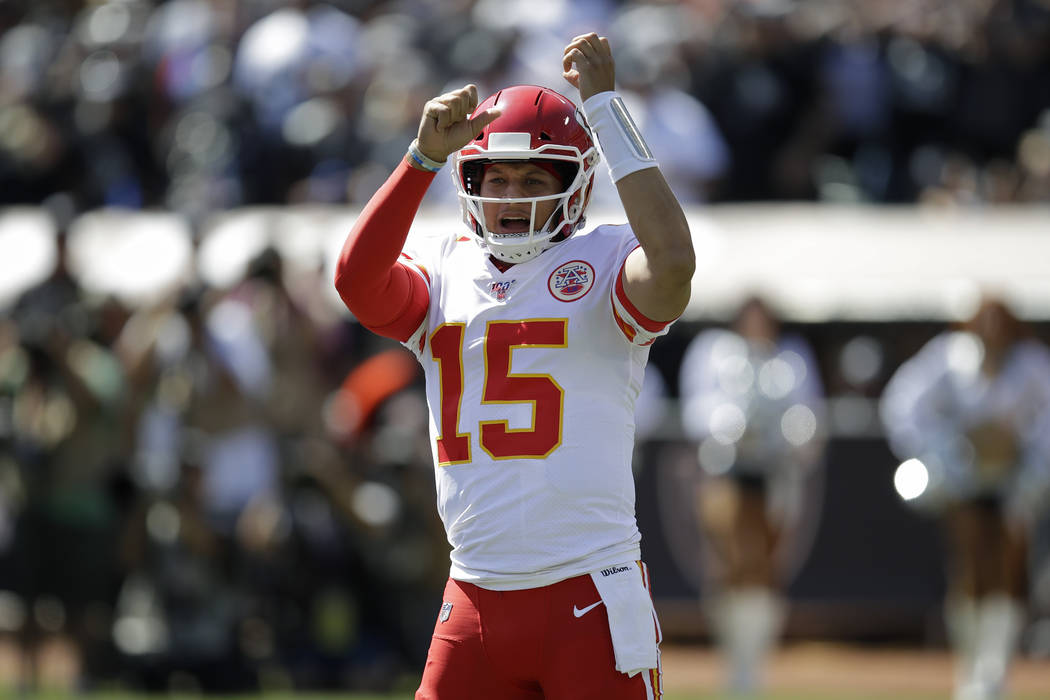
(498, 439)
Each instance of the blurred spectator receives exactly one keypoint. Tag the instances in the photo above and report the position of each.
(971, 415)
(301, 69)
(178, 608)
(752, 401)
(207, 463)
(276, 538)
(759, 80)
(654, 79)
(67, 394)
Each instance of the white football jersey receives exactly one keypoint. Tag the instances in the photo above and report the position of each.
(531, 379)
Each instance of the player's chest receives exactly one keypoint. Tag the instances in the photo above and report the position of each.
(564, 286)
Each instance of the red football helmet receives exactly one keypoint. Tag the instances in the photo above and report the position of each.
(535, 123)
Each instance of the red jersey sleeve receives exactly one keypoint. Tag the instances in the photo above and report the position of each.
(387, 296)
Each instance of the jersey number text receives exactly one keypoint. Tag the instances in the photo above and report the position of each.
(498, 439)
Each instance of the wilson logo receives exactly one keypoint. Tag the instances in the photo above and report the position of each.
(615, 570)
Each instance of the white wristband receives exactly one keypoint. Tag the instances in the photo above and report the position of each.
(428, 164)
(619, 139)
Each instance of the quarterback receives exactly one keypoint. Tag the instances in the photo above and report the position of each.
(533, 334)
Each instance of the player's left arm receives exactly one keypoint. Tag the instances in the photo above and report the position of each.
(657, 275)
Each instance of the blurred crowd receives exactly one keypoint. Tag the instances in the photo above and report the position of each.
(229, 490)
(203, 105)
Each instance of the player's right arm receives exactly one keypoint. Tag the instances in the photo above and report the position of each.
(383, 293)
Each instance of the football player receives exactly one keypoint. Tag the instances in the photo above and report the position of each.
(533, 334)
(973, 406)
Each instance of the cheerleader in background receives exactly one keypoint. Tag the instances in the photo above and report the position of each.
(973, 406)
(752, 400)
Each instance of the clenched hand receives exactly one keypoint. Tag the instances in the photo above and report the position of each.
(446, 125)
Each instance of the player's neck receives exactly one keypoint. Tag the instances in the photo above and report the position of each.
(501, 265)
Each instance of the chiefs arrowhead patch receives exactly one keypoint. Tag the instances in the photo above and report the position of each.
(571, 281)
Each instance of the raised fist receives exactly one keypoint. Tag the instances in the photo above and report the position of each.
(446, 125)
(588, 65)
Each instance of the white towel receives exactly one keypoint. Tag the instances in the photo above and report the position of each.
(632, 619)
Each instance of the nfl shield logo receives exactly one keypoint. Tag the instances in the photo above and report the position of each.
(446, 610)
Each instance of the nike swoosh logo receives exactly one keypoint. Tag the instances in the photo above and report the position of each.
(580, 612)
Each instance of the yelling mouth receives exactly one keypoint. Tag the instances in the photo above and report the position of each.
(514, 223)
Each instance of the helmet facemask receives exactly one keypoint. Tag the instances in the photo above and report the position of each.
(516, 247)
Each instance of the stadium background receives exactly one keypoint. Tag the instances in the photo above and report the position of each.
(869, 167)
